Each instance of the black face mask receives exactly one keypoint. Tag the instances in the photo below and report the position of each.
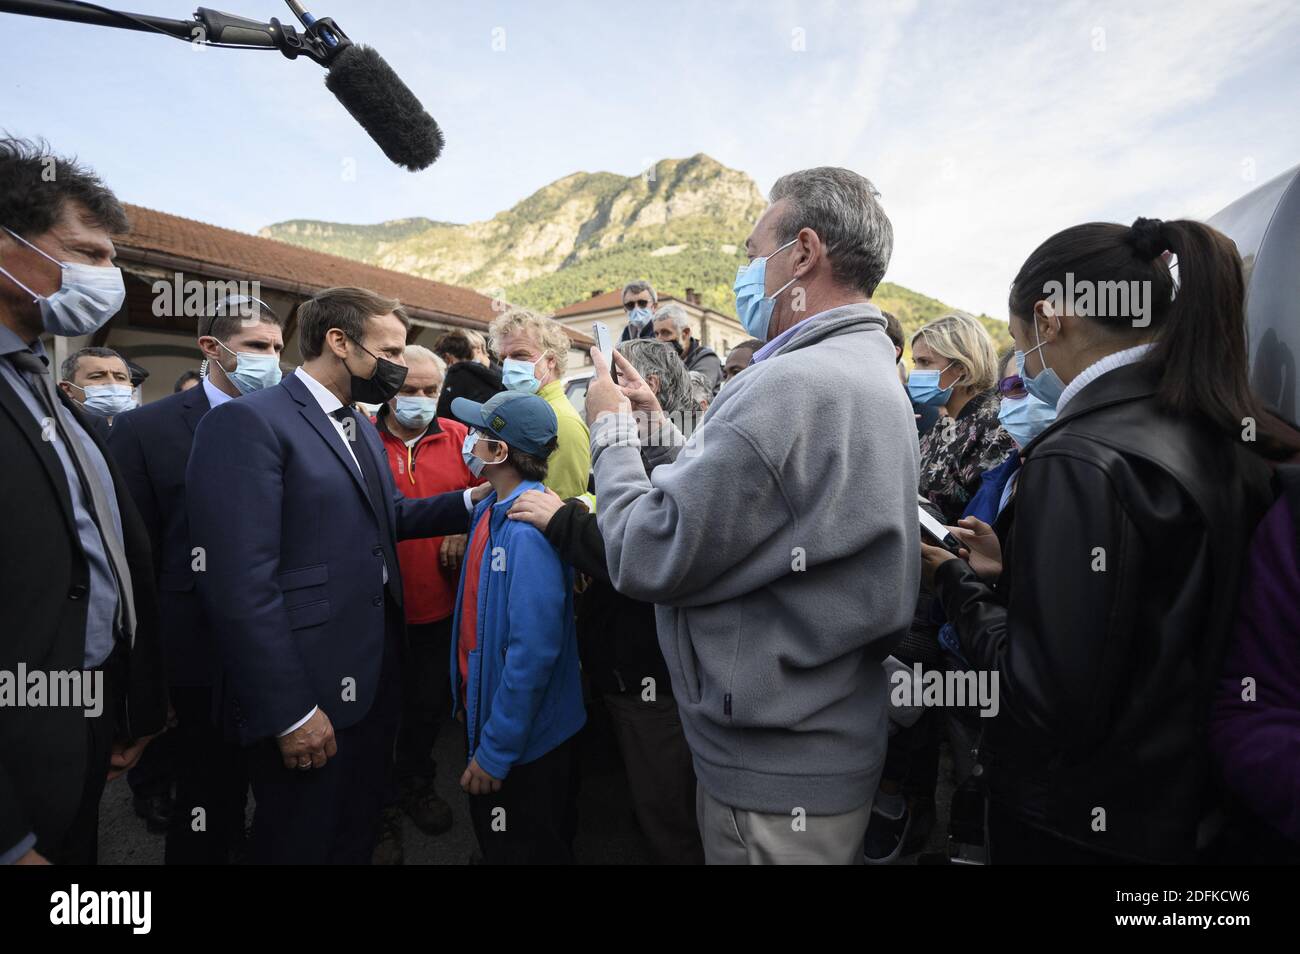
(382, 385)
(677, 346)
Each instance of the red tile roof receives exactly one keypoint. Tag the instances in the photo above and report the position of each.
(158, 238)
(614, 299)
(610, 299)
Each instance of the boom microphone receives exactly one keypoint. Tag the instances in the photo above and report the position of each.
(384, 106)
(357, 76)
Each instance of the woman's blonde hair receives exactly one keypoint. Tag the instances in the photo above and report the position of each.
(547, 332)
(962, 339)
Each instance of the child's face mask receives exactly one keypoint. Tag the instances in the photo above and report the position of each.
(472, 460)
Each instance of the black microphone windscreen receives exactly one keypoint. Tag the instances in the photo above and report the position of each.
(385, 107)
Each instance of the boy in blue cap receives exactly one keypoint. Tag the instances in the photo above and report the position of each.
(514, 646)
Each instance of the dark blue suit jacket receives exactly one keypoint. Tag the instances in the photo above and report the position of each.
(295, 554)
(151, 446)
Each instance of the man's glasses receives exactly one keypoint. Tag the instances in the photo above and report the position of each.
(1012, 386)
(637, 303)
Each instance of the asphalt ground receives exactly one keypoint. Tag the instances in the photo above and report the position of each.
(607, 829)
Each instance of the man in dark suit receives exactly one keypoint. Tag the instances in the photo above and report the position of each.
(76, 579)
(242, 341)
(297, 518)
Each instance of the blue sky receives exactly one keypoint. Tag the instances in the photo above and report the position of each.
(985, 126)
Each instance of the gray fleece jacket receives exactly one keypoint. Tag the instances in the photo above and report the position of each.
(781, 549)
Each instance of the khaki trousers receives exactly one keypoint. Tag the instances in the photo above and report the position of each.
(733, 836)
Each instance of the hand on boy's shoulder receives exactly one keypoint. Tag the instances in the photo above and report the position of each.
(475, 781)
(536, 507)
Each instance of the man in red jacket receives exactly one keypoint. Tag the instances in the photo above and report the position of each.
(424, 455)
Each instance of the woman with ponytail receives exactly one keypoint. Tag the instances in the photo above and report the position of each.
(1121, 552)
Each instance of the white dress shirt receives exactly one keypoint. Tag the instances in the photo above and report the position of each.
(329, 404)
(215, 395)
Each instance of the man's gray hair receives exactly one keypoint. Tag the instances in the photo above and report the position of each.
(841, 207)
(640, 286)
(676, 312)
(701, 393)
(649, 357)
(421, 352)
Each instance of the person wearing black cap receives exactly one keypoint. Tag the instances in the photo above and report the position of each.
(471, 372)
(241, 339)
(515, 678)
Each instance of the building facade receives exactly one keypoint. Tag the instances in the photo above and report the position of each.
(714, 329)
(175, 267)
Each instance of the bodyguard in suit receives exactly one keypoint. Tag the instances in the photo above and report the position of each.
(76, 579)
(292, 502)
(242, 340)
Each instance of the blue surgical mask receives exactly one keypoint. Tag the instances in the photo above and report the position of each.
(638, 317)
(520, 375)
(106, 400)
(415, 412)
(475, 464)
(1046, 385)
(753, 307)
(88, 295)
(923, 388)
(253, 372)
(1025, 418)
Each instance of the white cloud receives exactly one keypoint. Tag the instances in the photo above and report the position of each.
(1002, 137)
(986, 127)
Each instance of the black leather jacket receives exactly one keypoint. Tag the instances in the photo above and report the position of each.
(1121, 555)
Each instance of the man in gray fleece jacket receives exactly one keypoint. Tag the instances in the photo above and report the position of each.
(781, 544)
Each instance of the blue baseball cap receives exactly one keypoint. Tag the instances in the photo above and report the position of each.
(521, 420)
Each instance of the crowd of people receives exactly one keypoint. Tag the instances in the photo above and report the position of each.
(288, 584)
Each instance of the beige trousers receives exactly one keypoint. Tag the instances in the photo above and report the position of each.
(733, 836)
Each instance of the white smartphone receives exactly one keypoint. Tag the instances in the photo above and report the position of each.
(604, 341)
(937, 532)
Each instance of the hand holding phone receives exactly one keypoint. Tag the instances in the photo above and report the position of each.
(984, 550)
(604, 341)
(937, 533)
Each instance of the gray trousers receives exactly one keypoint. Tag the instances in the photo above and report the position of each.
(733, 836)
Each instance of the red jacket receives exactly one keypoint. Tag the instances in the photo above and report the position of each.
(432, 465)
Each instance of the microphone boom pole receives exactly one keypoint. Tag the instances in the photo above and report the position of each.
(357, 75)
(52, 10)
(207, 26)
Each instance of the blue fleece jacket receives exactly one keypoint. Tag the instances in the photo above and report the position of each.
(523, 695)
